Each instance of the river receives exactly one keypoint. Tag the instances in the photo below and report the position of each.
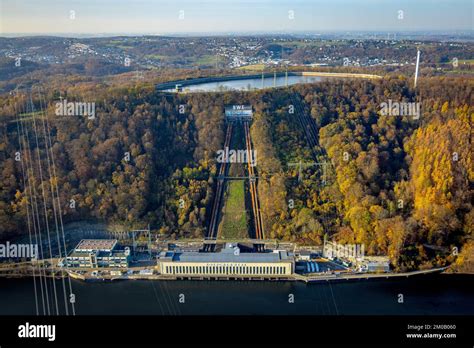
(422, 295)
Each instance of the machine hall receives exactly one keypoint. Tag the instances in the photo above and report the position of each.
(228, 263)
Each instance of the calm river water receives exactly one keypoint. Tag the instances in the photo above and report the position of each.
(423, 295)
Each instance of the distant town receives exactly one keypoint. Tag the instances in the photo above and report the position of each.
(252, 52)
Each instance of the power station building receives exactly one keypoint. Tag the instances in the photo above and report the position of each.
(238, 113)
(94, 253)
(229, 262)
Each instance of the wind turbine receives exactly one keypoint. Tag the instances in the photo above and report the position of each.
(417, 65)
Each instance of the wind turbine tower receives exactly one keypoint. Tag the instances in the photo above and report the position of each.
(417, 65)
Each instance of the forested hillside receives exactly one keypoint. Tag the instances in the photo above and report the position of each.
(399, 185)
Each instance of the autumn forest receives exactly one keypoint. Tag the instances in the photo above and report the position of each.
(402, 185)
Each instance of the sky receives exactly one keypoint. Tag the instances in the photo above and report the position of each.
(221, 16)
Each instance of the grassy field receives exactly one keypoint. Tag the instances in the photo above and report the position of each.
(156, 57)
(234, 220)
(252, 67)
(206, 60)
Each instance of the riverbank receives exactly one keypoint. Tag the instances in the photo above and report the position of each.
(112, 275)
(294, 277)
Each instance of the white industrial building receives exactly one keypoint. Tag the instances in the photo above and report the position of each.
(229, 262)
(94, 253)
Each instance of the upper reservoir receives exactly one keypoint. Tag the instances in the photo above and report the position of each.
(251, 82)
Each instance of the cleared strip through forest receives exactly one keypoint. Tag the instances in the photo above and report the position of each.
(217, 204)
(259, 233)
(312, 137)
(307, 124)
(218, 198)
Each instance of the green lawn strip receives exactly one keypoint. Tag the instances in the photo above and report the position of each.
(234, 221)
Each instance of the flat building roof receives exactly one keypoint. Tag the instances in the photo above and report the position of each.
(230, 253)
(96, 244)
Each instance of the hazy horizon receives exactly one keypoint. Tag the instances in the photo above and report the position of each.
(188, 17)
(381, 33)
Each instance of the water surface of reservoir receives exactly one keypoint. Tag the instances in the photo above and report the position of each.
(248, 84)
